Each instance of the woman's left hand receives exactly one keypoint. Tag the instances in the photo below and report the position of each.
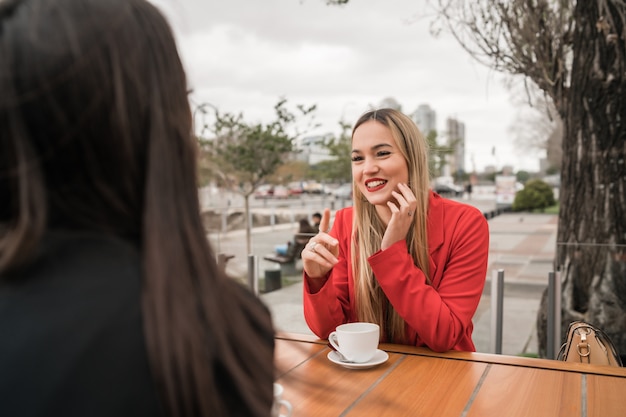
(402, 212)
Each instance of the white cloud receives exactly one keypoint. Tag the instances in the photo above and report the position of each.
(242, 55)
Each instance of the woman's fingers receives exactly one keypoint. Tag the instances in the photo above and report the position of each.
(325, 222)
(402, 211)
(324, 246)
(393, 207)
(320, 253)
(408, 195)
(329, 242)
(317, 261)
(405, 199)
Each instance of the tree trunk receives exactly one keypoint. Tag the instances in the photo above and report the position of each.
(591, 242)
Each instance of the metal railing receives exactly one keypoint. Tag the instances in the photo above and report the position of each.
(553, 336)
(497, 304)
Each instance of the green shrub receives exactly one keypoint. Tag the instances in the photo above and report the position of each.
(536, 195)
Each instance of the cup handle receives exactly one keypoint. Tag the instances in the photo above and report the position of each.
(332, 339)
(288, 407)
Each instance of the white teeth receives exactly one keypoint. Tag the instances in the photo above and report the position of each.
(375, 184)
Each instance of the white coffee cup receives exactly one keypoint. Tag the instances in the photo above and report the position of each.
(357, 342)
(279, 403)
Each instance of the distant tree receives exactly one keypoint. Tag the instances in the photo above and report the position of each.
(243, 155)
(438, 157)
(552, 170)
(538, 125)
(522, 176)
(339, 168)
(490, 176)
(288, 171)
(536, 195)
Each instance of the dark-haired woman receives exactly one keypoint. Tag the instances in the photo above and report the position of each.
(111, 302)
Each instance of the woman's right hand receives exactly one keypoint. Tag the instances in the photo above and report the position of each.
(320, 254)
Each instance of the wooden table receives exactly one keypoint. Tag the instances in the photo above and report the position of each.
(418, 382)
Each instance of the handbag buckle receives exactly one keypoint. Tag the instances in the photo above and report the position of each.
(585, 349)
(583, 346)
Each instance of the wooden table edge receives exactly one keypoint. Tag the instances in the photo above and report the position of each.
(538, 363)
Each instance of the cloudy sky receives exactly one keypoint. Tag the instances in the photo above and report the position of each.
(243, 55)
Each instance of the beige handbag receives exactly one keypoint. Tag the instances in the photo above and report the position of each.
(588, 344)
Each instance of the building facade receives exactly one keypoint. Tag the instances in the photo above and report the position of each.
(425, 118)
(455, 132)
(312, 149)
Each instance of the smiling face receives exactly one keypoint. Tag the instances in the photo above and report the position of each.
(378, 166)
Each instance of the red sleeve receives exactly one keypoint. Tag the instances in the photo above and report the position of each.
(330, 306)
(441, 315)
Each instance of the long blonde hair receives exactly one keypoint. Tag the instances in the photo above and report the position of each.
(371, 303)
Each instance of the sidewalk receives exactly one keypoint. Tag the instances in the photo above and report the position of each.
(522, 245)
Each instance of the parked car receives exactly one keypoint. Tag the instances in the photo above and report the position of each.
(264, 191)
(313, 187)
(281, 192)
(295, 188)
(448, 190)
(343, 192)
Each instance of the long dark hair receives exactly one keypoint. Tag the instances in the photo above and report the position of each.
(95, 134)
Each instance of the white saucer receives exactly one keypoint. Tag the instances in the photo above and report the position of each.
(379, 357)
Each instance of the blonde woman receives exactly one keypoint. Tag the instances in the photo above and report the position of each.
(402, 256)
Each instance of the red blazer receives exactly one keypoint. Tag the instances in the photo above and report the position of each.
(439, 315)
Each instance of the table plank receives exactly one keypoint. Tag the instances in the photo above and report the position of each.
(606, 396)
(514, 391)
(422, 386)
(510, 360)
(318, 387)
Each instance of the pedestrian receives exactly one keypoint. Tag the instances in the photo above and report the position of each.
(468, 190)
(305, 227)
(305, 231)
(111, 300)
(316, 218)
(402, 256)
(293, 249)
